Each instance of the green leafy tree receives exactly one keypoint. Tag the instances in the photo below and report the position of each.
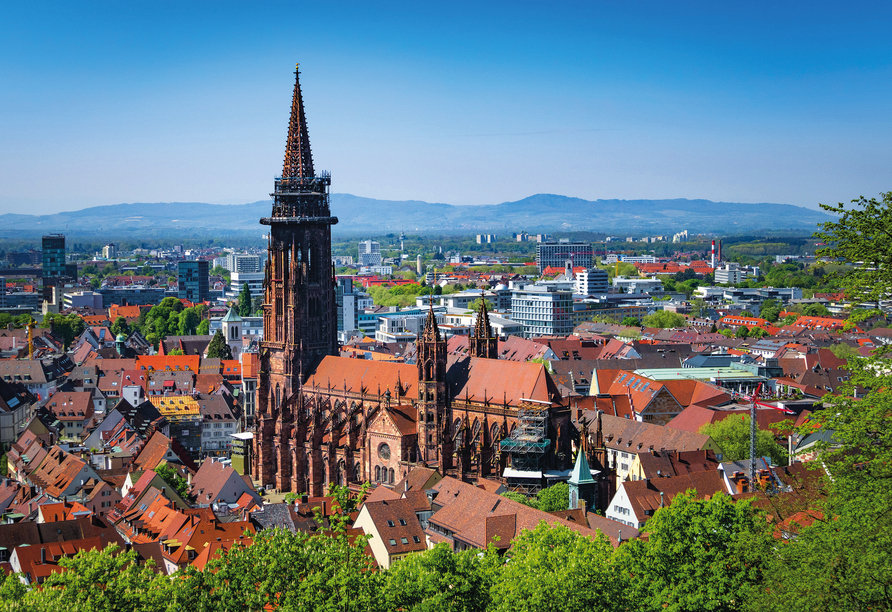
(816, 310)
(189, 320)
(204, 328)
(742, 332)
(770, 310)
(245, 303)
(713, 329)
(553, 568)
(630, 322)
(218, 349)
(520, 498)
(286, 571)
(68, 327)
(554, 498)
(439, 579)
(120, 326)
(664, 319)
(176, 482)
(345, 498)
(732, 434)
(475, 305)
(698, 555)
(862, 233)
(758, 332)
(176, 351)
(103, 581)
(841, 561)
(844, 351)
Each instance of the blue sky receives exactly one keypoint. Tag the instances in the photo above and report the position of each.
(463, 103)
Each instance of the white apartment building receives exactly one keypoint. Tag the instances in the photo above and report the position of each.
(591, 282)
(729, 274)
(638, 285)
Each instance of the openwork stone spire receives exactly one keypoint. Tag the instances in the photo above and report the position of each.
(431, 330)
(298, 157)
(483, 329)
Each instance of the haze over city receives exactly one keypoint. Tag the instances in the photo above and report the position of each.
(462, 103)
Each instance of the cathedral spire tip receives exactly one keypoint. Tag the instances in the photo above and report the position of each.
(298, 157)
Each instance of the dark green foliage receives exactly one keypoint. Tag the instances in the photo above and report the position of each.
(204, 328)
(862, 233)
(732, 434)
(172, 478)
(120, 326)
(551, 499)
(439, 579)
(68, 327)
(664, 318)
(288, 571)
(554, 498)
(553, 569)
(630, 322)
(699, 555)
(245, 305)
(816, 310)
(218, 349)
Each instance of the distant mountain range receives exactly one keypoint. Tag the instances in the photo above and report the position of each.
(358, 215)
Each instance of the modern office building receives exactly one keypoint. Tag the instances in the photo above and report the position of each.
(192, 281)
(369, 253)
(543, 311)
(729, 274)
(348, 314)
(557, 254)
(591, 281)
(240, 262)
(53, 256)
(637, 284)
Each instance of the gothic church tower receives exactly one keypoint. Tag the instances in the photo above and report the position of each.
(433, 422)
(299, 308)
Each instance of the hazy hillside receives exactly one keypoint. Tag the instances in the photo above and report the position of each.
(358, 215)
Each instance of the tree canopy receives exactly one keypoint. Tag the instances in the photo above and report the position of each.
(218, 349)
(862, 234)
(732, 434)
(664, 318)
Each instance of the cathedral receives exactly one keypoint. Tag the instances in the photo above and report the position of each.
(325, 419)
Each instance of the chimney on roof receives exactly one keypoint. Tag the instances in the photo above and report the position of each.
(42, 554)
(661, 499)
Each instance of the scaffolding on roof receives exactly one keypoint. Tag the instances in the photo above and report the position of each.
(529, 441)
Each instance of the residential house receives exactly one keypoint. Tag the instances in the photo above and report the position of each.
(394, 529)
(636, 501)
(215, 483)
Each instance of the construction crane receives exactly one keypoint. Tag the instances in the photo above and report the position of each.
(30, 325)
(754, 402)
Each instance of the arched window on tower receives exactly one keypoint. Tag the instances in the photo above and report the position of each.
(278, 397)
(391, 476)
(377, 473)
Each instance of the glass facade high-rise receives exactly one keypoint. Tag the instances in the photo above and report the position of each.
(543, 311)
(54, 256)
(192, 281)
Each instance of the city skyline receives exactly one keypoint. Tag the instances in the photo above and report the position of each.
(463, 105)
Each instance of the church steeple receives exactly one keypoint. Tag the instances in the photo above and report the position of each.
(299, 307)
(433, 420)
(431, 330)
(482, 343)
(298, 157)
